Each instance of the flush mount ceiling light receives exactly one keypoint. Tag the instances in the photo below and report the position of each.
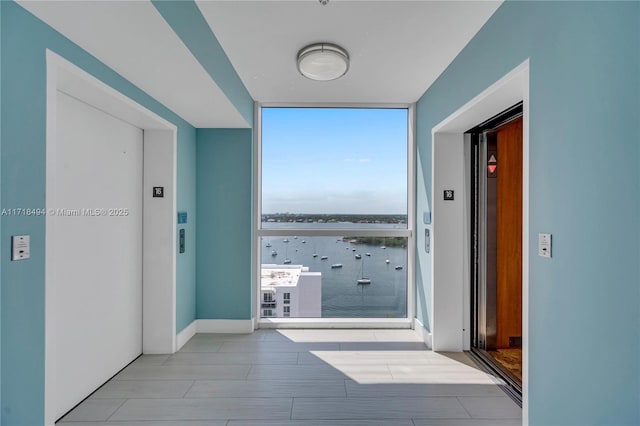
(323, 61)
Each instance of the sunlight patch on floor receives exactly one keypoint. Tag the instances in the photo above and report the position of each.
(404, 367)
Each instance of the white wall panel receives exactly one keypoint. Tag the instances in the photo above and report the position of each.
(448, 242)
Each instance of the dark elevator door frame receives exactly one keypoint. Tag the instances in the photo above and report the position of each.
(496, 227)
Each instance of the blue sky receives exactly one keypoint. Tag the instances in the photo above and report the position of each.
(334, 160)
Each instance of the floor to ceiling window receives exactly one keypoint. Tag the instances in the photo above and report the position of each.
(335, 224)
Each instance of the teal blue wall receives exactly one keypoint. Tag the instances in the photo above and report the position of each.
(24, 40)
(1, 245)
(423, 259)
(224, 210)
(584, 335)
(186, 20)
(186, 202)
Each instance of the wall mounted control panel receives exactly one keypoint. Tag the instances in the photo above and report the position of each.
(544, 245)
(427, 241)
(20, 247)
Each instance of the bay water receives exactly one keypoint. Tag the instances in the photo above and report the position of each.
(342, 296)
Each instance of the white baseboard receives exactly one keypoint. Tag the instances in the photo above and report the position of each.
(248, 326)
(186, 334)
(213, 326)
(224, 326)
(426, 335)
(343, 323)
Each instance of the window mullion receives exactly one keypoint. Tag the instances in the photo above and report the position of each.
(335, 232)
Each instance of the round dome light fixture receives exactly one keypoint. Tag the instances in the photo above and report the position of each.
(323, 61)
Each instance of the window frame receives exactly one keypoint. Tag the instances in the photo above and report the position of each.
(259, 232)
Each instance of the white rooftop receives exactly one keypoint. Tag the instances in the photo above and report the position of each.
(280, 275)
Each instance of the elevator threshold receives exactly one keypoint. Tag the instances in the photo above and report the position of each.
(512, 384)
(511, 359)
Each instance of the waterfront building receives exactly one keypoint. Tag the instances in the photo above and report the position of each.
(290, 291)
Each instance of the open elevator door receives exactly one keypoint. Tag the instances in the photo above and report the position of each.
(496, 257)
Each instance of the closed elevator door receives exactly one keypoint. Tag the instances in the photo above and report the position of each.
(497, 249)
(94, 250)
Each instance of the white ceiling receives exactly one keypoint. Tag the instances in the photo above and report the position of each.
(397, 48)
(133, 38)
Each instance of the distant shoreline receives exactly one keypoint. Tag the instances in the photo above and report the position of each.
(333, 218)
(379, 241)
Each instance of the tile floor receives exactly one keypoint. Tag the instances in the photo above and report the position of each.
(300, 378)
